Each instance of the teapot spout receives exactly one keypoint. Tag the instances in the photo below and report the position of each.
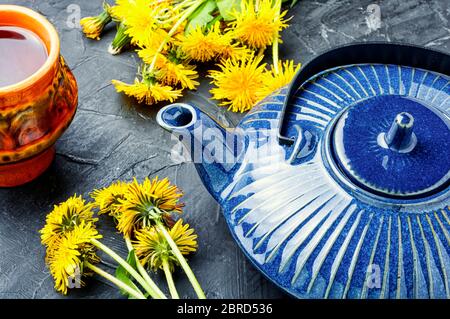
(213, 148)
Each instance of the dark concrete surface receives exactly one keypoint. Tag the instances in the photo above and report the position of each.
(114, 138)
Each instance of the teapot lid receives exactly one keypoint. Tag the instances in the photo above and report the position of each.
(393, 146)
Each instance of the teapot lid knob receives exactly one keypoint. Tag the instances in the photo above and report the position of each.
(400, 137)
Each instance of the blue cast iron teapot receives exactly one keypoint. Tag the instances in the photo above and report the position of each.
(338, 186)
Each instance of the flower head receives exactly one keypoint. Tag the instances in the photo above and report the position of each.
(173, 73)
(64, 218)
(202, 45)
(147, 55)
(141, 20)
(147, 202)
(120, 10)
(93, 26)
(107, 198)
(172, 68)
(237, 82)
(150, 39)
(234, 51)
(66, 260)
(147, 89)
(152, 248)
(274, 80)
(150, 93)
(258, 26)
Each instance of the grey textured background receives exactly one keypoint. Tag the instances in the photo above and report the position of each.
(112, 137)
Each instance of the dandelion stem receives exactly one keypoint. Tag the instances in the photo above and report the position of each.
(115, 281)
(127, 267)
(275, 40)
(260, 53)
(182, 261)
(175, 27)
(143, 272)
(179, 7)
(170, 283)
(275, 55)
(182, 5)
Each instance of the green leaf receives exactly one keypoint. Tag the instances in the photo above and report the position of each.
(228, 6)
(202, 16)
(123, 275)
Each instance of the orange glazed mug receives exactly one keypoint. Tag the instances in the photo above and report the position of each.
(35, 111)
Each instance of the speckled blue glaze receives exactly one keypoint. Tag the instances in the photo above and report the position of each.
(361, 156)
(303, 222)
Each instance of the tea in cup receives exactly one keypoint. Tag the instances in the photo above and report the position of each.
(38, 94)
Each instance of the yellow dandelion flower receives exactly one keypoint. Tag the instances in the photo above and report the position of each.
(147, 202)
(106, 198)
(153, 249)
(178, 73)
(273, 80)
(234, 51)
(150, 39)
(171, 69)
(148, 90)
(121, 9)
(184, 237)
(258, 26)
(150, 93)
(73, 250)
(64, 263)
(237, 82)
(201, 46)
(64, 218)
(229, 49)
(141, 19)
(147, 55)
(93, 26)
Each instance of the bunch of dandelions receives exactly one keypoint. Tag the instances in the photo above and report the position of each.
(72, 240)
(144, 214)
(173, 36)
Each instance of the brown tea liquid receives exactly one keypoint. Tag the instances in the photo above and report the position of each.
(22, 53)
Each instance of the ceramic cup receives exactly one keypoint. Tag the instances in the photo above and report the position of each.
(36, 111)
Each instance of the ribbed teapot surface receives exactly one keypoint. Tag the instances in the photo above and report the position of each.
(342, 213)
